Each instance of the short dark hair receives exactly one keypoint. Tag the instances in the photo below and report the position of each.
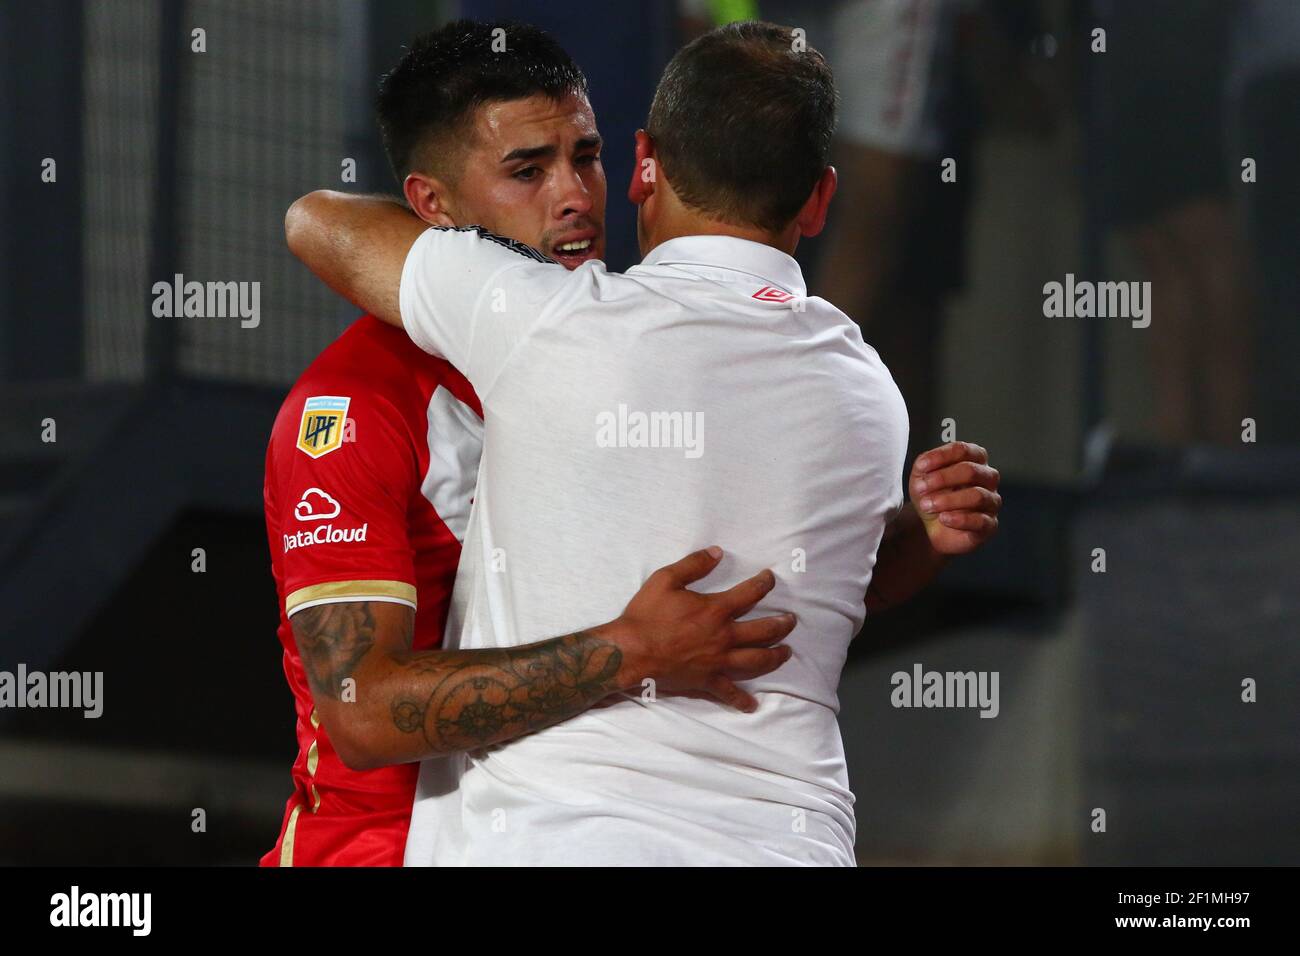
(444, 76)
(742, 123)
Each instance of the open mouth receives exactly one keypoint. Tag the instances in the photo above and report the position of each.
(574, 252)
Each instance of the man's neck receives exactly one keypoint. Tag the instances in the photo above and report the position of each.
(679, 220)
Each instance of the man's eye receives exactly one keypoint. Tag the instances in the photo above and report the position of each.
(527, 173)
(587, 160)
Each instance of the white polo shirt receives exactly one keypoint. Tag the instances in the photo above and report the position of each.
(629, 419)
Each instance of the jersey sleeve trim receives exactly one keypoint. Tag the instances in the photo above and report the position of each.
(336, 592)
(514, 245)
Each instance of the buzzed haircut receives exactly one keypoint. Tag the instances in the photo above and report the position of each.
(742, 123)
(426, 104)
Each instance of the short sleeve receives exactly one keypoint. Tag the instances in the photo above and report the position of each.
(471, 297)
(345, 468)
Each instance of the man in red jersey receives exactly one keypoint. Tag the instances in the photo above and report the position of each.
(369, 477)
(488, 138)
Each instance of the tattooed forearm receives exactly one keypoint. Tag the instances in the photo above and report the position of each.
(332, 639)
(409, 705)
(488, 696)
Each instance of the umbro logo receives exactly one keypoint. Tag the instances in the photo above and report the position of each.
(769, 294)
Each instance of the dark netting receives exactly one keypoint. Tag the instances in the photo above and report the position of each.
(119, 125)
(262, 122)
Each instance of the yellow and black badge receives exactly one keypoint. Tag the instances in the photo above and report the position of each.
(321, 430)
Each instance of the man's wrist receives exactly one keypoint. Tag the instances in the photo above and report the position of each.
(938, 559)
(632, 654)
(916, 526)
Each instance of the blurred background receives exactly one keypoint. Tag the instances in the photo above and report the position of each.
(986, 149)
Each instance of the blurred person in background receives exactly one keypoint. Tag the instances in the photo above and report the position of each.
(894, 246)
(1163, 146)
(1264, 107)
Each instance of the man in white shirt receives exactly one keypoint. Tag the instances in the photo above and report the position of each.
(701, 395)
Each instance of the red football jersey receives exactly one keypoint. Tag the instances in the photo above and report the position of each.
(369, 477)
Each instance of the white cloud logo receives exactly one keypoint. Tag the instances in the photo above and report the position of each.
(304, 510)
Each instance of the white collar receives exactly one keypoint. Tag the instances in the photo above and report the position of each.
(731, 254)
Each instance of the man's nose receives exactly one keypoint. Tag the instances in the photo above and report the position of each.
(573, 197)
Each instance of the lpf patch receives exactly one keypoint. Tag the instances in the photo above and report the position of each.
(321, 430)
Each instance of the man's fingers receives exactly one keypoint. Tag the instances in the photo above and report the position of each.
(762, 631)
(741, 598)
(755, 662)
(955, 476)
(950, 454)
(973, 521)
(963, 499)
(691, 568)
(728, 693)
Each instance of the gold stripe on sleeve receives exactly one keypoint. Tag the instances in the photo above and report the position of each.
(398, 591)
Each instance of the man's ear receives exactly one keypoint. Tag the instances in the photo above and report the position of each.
(812, 217)
(427, 197)
(645, 172)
